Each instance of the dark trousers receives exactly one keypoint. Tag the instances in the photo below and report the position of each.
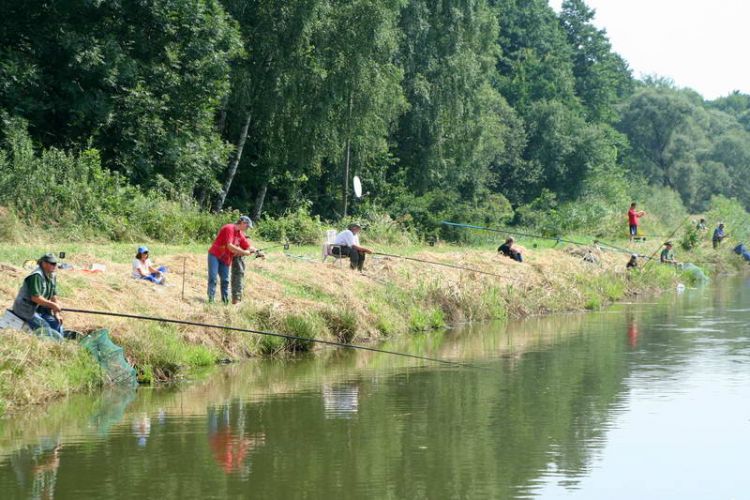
(356, 259)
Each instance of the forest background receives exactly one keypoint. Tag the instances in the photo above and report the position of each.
(135, 119)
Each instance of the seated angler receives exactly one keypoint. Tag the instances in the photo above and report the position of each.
(347, 244)
(667, 254)
(633, 262)
(508, 250)
(37, 302)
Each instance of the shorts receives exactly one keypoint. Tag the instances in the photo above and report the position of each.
(634, 230)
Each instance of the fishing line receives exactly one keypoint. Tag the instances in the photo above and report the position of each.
(517, 233)
(438, 264)
(671, 235)
(261, 332)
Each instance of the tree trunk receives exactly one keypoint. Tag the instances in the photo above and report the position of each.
(259, 200)
(233, 164)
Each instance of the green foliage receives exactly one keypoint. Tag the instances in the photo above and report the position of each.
(380, 228)
(305, 326)
(732, 213)
(138, 81)
(342, 323)
(75, 193)
(297, 227)
(452, 110)
(690, 239)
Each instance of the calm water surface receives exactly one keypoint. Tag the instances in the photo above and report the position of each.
(646, 400)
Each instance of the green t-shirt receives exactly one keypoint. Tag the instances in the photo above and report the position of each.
(41, 286)
(667, 255)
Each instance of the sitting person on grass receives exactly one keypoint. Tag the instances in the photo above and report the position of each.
(508, 250)
(144, 269)
(347, 244)
(633, 262)
(667, 254)
(37, 302)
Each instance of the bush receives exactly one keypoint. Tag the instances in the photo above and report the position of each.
(731, 213)
(302, 326)
(423, 215)
(380, 228)
(297, 226)
(342, 323)
(74, 192)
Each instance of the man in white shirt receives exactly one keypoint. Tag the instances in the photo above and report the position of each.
(347, 244)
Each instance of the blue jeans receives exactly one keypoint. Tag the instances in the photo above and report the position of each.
(44, 323)
(215, 266)
(154, 277)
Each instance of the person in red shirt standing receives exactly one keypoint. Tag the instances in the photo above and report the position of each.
(633, 216)
(238, 266)
(224, 248)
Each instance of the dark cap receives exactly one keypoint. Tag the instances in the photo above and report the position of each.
(245, 219)
(48, 257)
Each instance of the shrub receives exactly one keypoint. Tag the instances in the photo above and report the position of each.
(296, 226)
(75, 192)
(342, 323)
(731, 213)
(303, 326)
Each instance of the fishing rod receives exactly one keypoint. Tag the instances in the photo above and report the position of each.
(555, 238)
(671, 235)
(517, 233)
(261, 332)
(284, 245)
(439, 264)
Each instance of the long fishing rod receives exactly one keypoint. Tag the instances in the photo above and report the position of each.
(261, 332)
(671, 235)
(284, 245)
(554, 238)
(439, 264)
(517, 233)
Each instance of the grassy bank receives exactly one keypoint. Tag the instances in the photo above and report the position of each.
(301, 296)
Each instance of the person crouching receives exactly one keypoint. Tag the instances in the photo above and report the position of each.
(508, 250)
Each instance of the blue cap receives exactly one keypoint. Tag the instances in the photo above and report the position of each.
(247, 220)
(142, 249)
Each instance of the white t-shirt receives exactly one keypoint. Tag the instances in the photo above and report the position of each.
(144, 266)
(346, 238)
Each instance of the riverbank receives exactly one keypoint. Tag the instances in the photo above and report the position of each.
(301, 296)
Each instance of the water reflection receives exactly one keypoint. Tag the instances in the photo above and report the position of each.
(35, 467)
(554, 400)
(229, 444)
(341, 400)
(141, 428)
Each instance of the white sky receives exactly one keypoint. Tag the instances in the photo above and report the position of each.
(701, 44)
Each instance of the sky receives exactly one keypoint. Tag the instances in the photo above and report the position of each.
(700, 44)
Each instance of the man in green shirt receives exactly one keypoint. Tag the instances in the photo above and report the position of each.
(37, 302)
(667, 255)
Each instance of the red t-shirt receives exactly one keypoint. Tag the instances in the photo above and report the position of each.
(633, 217)
(229, 233)
(242, 241)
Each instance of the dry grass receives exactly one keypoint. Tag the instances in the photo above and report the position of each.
(325, 299)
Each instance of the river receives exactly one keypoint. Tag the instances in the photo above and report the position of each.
(642, 400)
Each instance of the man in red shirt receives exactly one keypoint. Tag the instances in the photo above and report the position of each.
(633, 216)
(225, 246)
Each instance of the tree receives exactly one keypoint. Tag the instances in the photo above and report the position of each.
(602, 77)
(142, 80)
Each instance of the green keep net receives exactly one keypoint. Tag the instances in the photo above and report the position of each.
(110, 357)
(695, 272)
